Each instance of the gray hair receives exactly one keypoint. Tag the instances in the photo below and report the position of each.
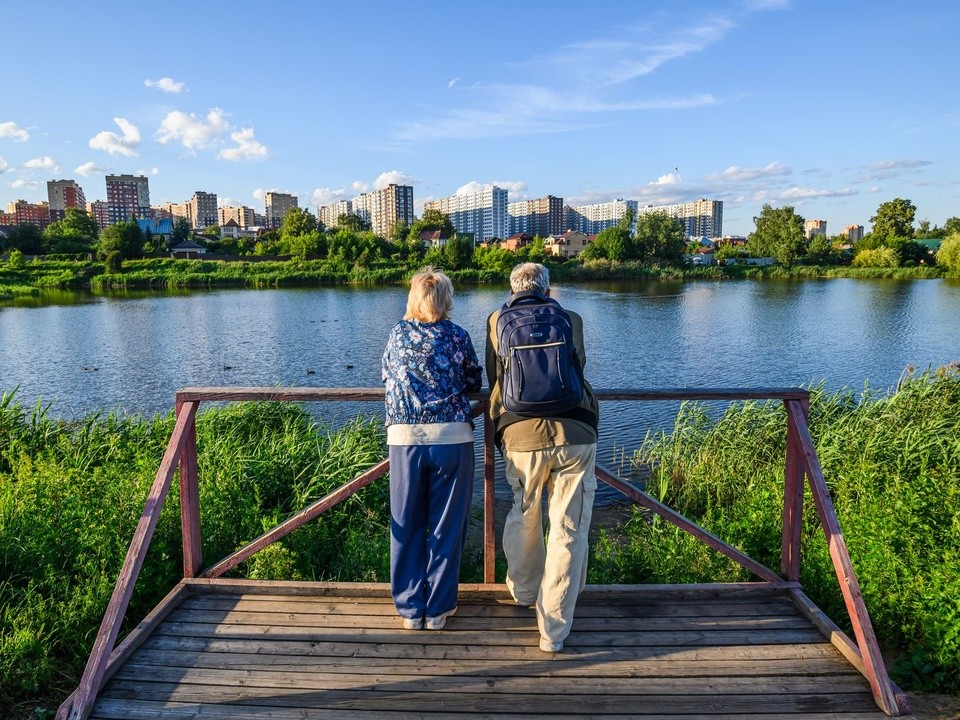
(530, 276)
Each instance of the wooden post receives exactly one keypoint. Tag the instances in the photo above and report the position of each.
(94, 672)
(792, 503)
(876, 672)
(489, 499)
(190, 501)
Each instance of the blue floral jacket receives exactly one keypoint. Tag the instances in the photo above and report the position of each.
(428, 368)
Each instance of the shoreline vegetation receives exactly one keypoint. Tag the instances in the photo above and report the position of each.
(33, 278)
(71, 494)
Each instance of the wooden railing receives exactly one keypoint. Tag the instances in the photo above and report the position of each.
(181, 452)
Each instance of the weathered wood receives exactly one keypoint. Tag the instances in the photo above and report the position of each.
(489, 498)
(301, 518)
(95, 669)
(278, 394)
(190, 501)
(876, 672)
(792, 506)
(675, 518)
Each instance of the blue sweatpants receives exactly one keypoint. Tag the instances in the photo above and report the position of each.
(430, 491)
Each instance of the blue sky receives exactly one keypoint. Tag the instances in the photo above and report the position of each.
(832, 107)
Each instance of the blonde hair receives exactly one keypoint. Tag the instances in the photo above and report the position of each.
(530, 276)
(431, 296)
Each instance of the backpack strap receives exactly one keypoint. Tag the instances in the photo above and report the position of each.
(527, 295)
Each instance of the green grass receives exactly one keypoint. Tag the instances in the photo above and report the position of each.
(71, 495)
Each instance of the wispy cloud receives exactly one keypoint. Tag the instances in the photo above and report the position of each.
(21, 183)
(737, 174)
(90, 168)
(453, 82)
(246, 147)
(888, 169)
(151, 171)
(800, 193)
(114, 144)
(167, 84)
(3, 165)
(11, 130)
(42, 163)
(761, 5)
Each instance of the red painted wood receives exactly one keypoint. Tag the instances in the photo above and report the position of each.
(876, 672)
(190, 502)
(489, 499)
(301, 518)
(792, 505)
(93, 674)
(672, 516)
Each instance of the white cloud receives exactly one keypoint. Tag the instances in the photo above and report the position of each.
(392, 177)
(42, 163)
(326, 196)
(259, 194)
(759, 5)
(3, 165)
(668, 179)
(20, 183)
(359, 186)
(89, 168)
(887, 169)
(112, 143)
(799, 193)
(192, 132)
(453, 82)
(517, 187)
(166, 84)
(735, 173)
(11, 130)
(247, 147)
(151, 171)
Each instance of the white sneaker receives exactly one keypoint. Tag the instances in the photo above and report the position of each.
(412, 623)
(437, 623)
(551, 647)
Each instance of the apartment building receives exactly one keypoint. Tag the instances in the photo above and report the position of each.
(591, 219)
(542, 217)
(700, 218)
(64, 194)
(483, 213)
(176, 210)
(277, 205)
(243, 216)
(385, 208)
(329, 214)
(22, 212)
(128, 197)
(202, 210)
(854, 233)
(814, 227)
(100, 212)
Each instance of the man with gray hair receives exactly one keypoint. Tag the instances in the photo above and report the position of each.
(545, 416)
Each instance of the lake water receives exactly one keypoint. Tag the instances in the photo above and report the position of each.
(131, 352)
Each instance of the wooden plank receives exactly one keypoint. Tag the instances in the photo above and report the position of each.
(301, 518)
(876, 672)
(792, 506)
(95, 669)
(613, 667)
(546, 703)
(489, 498)
(190, 501)
(513, 652)
(111, 709)
(675, 518)
(525, 622)
(493, 684)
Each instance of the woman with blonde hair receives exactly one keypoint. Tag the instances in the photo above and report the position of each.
(429, 366)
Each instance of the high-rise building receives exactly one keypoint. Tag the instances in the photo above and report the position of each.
(64, 194)
(385, 208)
(543, 217)
(854, 233)
(277, 205)
(100, 212)
(202, 210)
(176, 210)
(701, 218)
(128, 197)
(483, 213)
(24, 212)
(329, 214)
(815, 227)
(591, 219)
(243, 216)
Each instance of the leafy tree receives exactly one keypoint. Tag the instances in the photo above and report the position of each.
(212, 230)
(494, 258)
(778, 234)
(123, 238)
(350, 221)
(26, 238)
(75, 233)
(951, 226)
(948, 255)
(181, 231)
(894, 219)
(909, 252)
(399, 232)
(300, 246)
(881, 257)
(436, 220)
(612, 243)
(537, 250)
(16, 260)
(458, 253)
(821, 251)
(660, 236)
(297, 222)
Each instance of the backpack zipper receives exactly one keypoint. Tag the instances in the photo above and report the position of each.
(534, 347)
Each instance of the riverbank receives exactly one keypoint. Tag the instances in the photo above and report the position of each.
(71, 494)
(33, 277)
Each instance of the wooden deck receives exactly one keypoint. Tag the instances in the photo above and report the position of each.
(235, 649)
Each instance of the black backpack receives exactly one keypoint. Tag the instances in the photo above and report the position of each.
(541, 372)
